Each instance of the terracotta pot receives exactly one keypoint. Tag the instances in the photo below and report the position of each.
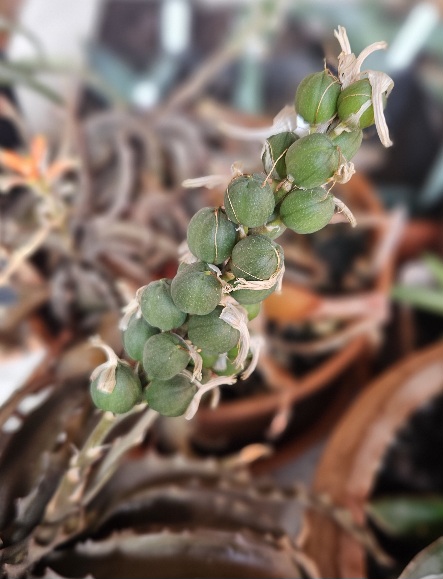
(250, 418)
(348, 470)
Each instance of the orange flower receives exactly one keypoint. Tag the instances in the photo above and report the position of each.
(33, 168)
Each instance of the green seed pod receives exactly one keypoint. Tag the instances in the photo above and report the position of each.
(158, 307)
(309, 210)
(272, 229)
(196, 292)
(164, 356)
(249, 200)
(312, 161)
(170, 397)
(256, 258)
(348, 143)
(208, 358)
(355, 105)
(316, 97)
(125, 395)
(212, 333)
(196, 266)
(211, 235)
(253, 310)
(273, 155)
(135, 336)
(247, 297)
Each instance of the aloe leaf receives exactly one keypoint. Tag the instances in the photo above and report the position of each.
(9, 76)
(409, 516)
(435, 265)
(428, 563)
(420, 297)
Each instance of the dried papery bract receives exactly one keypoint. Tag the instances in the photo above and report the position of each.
(349, 71)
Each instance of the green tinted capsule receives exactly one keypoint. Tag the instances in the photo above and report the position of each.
(249, 200)
(170, 397)
(273, 155)
(164, 356)
(158, 307)
(307, 211)
(355, 105)
(251, 297)
(253, 310)
(212, 333)
(135, 336)
(312, 161)
(211, 235)
(126, 394)
(348, 143)
(316, 97)
(196, 292)
(208, 358)
(256, 258)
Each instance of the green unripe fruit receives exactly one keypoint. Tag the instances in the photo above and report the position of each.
(249, 200)
(212, 333)
(196, 266)
(208, 358)
(312, 161)
(211, 235)
(316, 97)
(256, 258)
(135, 336)
(170, 397)
(158, 307)
(253, 310)
(164, 356)
(274, 151)
(307, 211)
(348, 143)
(126, 394)
(196, 292)
(355, 104)
(251, 297)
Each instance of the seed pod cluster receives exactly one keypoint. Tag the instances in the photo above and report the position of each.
(189, 334)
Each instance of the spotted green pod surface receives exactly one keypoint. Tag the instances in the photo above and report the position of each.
(170, 397)
(273, 155)
(135, 336)
(256, 258)
(312, 161)
(212, 333)
(253, 310)
(211, 235)
(158, 307)
(249, 200)
(196, 292)
(307, 211)
(164, 356)
(208, 358)
(252, 297)
(126, 394)
(355, 104)
(196, 266)
(316, 97)
(348, 142)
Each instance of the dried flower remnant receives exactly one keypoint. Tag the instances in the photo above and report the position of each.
(349, 72)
